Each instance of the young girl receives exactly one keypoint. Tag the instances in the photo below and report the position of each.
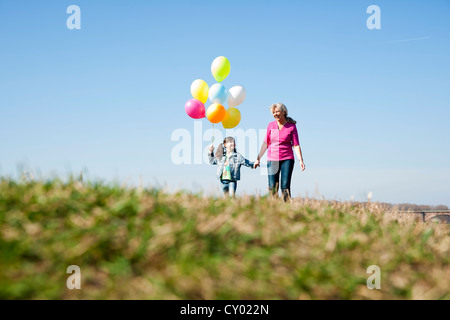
(229, 162)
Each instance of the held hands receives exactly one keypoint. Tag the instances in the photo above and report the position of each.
(256, 164)
(211, 148)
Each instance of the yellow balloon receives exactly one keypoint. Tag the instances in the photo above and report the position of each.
(232, 118)
(200, 90)
(220, 68)
(215, 113)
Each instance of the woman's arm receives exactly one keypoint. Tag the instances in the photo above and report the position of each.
(261, 153)
(297, 149)
(298, 152)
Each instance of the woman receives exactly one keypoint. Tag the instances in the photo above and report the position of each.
(281, 137)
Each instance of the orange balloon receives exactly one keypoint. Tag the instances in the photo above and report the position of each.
(215, 113)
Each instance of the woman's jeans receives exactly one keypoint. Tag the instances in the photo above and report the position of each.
(229, 186)
(284, 169)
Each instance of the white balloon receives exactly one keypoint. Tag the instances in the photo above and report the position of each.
(236, 95)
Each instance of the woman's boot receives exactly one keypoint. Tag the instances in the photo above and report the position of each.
(286, 194)
(273, 192)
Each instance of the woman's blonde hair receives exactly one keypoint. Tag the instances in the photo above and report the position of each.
(283, 109)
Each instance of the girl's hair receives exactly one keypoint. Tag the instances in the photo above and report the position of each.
(283, 109)
(221, 151)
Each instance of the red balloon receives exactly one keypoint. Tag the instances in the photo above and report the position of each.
(195, 109)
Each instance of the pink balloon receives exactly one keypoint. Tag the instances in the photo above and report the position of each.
(195, 109)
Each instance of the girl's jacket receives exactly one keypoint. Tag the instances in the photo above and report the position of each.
(235, 161)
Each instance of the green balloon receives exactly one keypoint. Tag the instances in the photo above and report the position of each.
(220, 68)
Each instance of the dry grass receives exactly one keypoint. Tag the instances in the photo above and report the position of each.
(150, 244)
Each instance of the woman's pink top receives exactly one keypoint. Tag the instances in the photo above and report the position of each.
(280, 142)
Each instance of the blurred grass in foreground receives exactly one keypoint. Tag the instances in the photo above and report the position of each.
(150, 244)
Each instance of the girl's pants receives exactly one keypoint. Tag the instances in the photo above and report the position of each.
(229, 186)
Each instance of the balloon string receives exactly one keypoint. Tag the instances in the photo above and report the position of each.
(213, 134)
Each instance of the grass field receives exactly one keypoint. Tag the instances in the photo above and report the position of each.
(150, 244)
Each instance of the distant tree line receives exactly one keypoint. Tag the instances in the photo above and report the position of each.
(414, 207)
(397, 207)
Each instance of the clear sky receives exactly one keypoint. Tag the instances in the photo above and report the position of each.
(372, 106)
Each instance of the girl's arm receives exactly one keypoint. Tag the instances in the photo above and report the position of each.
(245, 162)
(212, 159)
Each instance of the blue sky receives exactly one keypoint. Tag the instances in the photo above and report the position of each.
(372, 106)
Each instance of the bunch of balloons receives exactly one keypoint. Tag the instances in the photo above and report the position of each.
(218, 95)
